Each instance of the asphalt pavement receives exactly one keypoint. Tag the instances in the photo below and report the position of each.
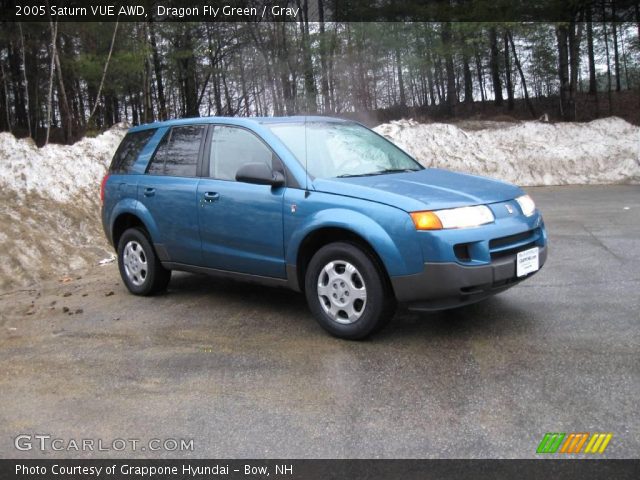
(243, 371)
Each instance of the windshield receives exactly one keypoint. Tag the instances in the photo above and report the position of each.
(342, 149)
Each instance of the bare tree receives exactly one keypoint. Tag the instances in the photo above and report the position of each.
(104, 73)
(495, 66)
(516, 60)
(54, 34)
(23, 69)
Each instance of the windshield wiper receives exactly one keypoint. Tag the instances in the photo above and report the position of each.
(377, 172)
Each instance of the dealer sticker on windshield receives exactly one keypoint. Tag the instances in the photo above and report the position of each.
(527, 262)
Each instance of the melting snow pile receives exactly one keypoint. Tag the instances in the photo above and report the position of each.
(50, 206)
(56, 171)
(49, 200)
(527, 153)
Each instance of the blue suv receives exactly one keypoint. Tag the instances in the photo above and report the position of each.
(319, 205)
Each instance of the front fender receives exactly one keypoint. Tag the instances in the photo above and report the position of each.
(397, 261)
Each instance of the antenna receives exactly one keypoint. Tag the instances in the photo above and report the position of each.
(306, 156)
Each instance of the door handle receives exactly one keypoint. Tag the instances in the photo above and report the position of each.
(211, 197)
(149, 192)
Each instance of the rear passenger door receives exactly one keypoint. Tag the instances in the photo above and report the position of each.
(168, 191)
(240, 223)
(122, 183)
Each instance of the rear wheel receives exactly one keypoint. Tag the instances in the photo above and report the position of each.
(347, 292)
(140, 269)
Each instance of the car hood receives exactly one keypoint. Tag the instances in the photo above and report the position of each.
(428, 189)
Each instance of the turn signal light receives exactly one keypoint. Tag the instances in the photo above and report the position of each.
(426, 221)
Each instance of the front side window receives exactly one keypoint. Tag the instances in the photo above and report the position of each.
(233, 147)
(177, 154)
(332, 149)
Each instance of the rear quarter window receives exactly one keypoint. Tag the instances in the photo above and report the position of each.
(128, 151)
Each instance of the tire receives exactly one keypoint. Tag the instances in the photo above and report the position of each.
(140, 269)
(348, 305)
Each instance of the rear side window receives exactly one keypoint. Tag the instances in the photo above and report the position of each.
(128, 151)
(178, 152)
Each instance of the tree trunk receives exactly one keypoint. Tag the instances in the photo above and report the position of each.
(217, 94)
(403, 100)
(65, 110)
(575, 37)
(188, 67)
(23, 69)
(104, 74)
(480, 76)
(309, 78)
(522, 79)
(430, 83)
(157, 69)
(332, 78)
(616, 57)
(20, 110)
(593, 83)
(563, 71)
(54, 34)
(507, 71)
(243, 85)
(6, 126)
(468, 83)
(451, 75)
(324, 82)
(624, 61)
(438, 80)
(147, 102)
(81, 118)
(108, 110)
(494, 65)
(606, 49)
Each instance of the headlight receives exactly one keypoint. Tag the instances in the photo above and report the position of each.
(527, 205)
(462, 217)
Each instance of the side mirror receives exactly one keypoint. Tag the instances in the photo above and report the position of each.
(260, 174)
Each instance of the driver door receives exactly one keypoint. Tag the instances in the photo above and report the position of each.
(241, 224)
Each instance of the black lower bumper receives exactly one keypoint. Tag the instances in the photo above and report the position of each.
(447, 285)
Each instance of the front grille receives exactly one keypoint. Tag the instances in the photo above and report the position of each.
(510, 245)
(504, 241)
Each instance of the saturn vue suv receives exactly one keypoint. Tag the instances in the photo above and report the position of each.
(322, 206)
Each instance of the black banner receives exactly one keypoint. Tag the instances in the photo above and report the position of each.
(583, 469)
(315, 10)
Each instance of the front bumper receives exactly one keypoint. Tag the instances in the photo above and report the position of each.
(449, 284)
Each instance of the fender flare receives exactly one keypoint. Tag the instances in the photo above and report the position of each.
(359, 224)
(137, 209)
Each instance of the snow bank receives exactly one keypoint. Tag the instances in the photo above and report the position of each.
(50, 207)
(56, 171)
(526, 153)
(49, 203)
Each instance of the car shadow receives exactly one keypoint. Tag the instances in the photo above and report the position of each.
(227, 290)
(495, 314)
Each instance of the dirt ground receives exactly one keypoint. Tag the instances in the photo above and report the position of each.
(245, 372)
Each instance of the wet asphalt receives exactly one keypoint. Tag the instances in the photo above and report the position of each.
(245, 372)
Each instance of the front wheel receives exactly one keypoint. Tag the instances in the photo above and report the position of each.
(347, 292)
(140, 269)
